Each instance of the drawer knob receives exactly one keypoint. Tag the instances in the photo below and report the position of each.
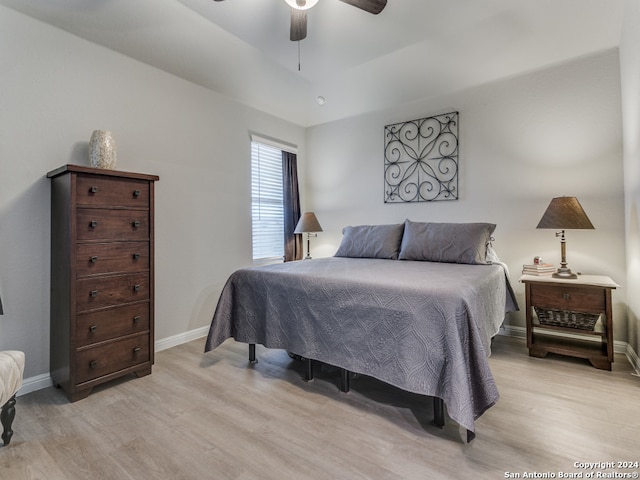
(135, 223)
(93, 223)
(93, 328)
(136, 193)
(136, 287)
(93, 293)
(93, 364)
(136, 256)
(566, 296)
(94, 189)
(136, 319)
(94, 259)
(136, 350)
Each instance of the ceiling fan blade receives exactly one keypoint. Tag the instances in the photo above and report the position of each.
(371, 6)
(298, 25)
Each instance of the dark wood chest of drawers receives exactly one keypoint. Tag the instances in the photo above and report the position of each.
(102, 295)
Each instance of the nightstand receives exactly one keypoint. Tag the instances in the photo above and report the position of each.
(559, 312)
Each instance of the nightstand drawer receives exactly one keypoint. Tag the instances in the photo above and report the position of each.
(97, 190)
(563, 297)
(101, 258)
(111, 357)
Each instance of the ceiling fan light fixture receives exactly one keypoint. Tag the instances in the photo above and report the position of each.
(301, 4)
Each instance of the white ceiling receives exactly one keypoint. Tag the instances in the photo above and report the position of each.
(359, 62)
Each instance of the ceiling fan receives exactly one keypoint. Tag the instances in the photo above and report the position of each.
(299, 13)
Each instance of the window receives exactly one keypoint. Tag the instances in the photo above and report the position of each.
(267, 206)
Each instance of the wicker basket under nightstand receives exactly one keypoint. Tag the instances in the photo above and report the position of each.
(567, 318)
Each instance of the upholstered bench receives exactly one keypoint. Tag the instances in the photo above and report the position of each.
(11, 370)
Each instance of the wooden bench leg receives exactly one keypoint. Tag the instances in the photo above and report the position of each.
(252, 353)
(6, 417)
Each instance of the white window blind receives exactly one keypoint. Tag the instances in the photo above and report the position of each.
(267, 209)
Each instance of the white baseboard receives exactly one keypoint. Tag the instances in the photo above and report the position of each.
(39, 382)
(44, 380)
(633, 359)
(32, 384)
(181, 338)
(513, 331)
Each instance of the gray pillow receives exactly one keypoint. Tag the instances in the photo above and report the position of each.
(371, 241)
(446, 242)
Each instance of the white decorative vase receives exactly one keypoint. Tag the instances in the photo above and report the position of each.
(102, 150)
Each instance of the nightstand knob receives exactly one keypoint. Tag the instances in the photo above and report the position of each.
(135, 224)
(94, 189)
(93, 364)
(136, 350)
(93, 293)
(566, 296)
(136, 319)
(93, 223)
(94, 259)
(136, 256)
(136, 287)
(136, 193)
(93, 328)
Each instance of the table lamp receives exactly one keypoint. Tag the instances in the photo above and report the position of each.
(308, 224)
(564, 213)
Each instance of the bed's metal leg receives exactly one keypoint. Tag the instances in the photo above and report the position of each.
(308, 370)
(344, 380)
(438, 417)
(438, 412)
(252, 353)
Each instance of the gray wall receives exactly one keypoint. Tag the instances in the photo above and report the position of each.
(630, 73)
(523, 140)
(56, 89)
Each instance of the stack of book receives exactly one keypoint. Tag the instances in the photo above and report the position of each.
(539, 269)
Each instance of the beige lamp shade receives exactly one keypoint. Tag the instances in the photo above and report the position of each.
(565, 213)
(308, 223)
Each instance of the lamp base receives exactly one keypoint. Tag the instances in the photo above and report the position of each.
(565, 273)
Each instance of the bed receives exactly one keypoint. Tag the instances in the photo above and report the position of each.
(414, 305)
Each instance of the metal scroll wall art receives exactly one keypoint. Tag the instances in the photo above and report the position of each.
(421, 160)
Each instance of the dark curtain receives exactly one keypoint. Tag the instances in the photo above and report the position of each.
(292, 242)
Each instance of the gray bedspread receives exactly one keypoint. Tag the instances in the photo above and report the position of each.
(424, 327)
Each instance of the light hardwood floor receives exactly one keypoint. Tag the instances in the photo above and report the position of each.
(214, 416)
